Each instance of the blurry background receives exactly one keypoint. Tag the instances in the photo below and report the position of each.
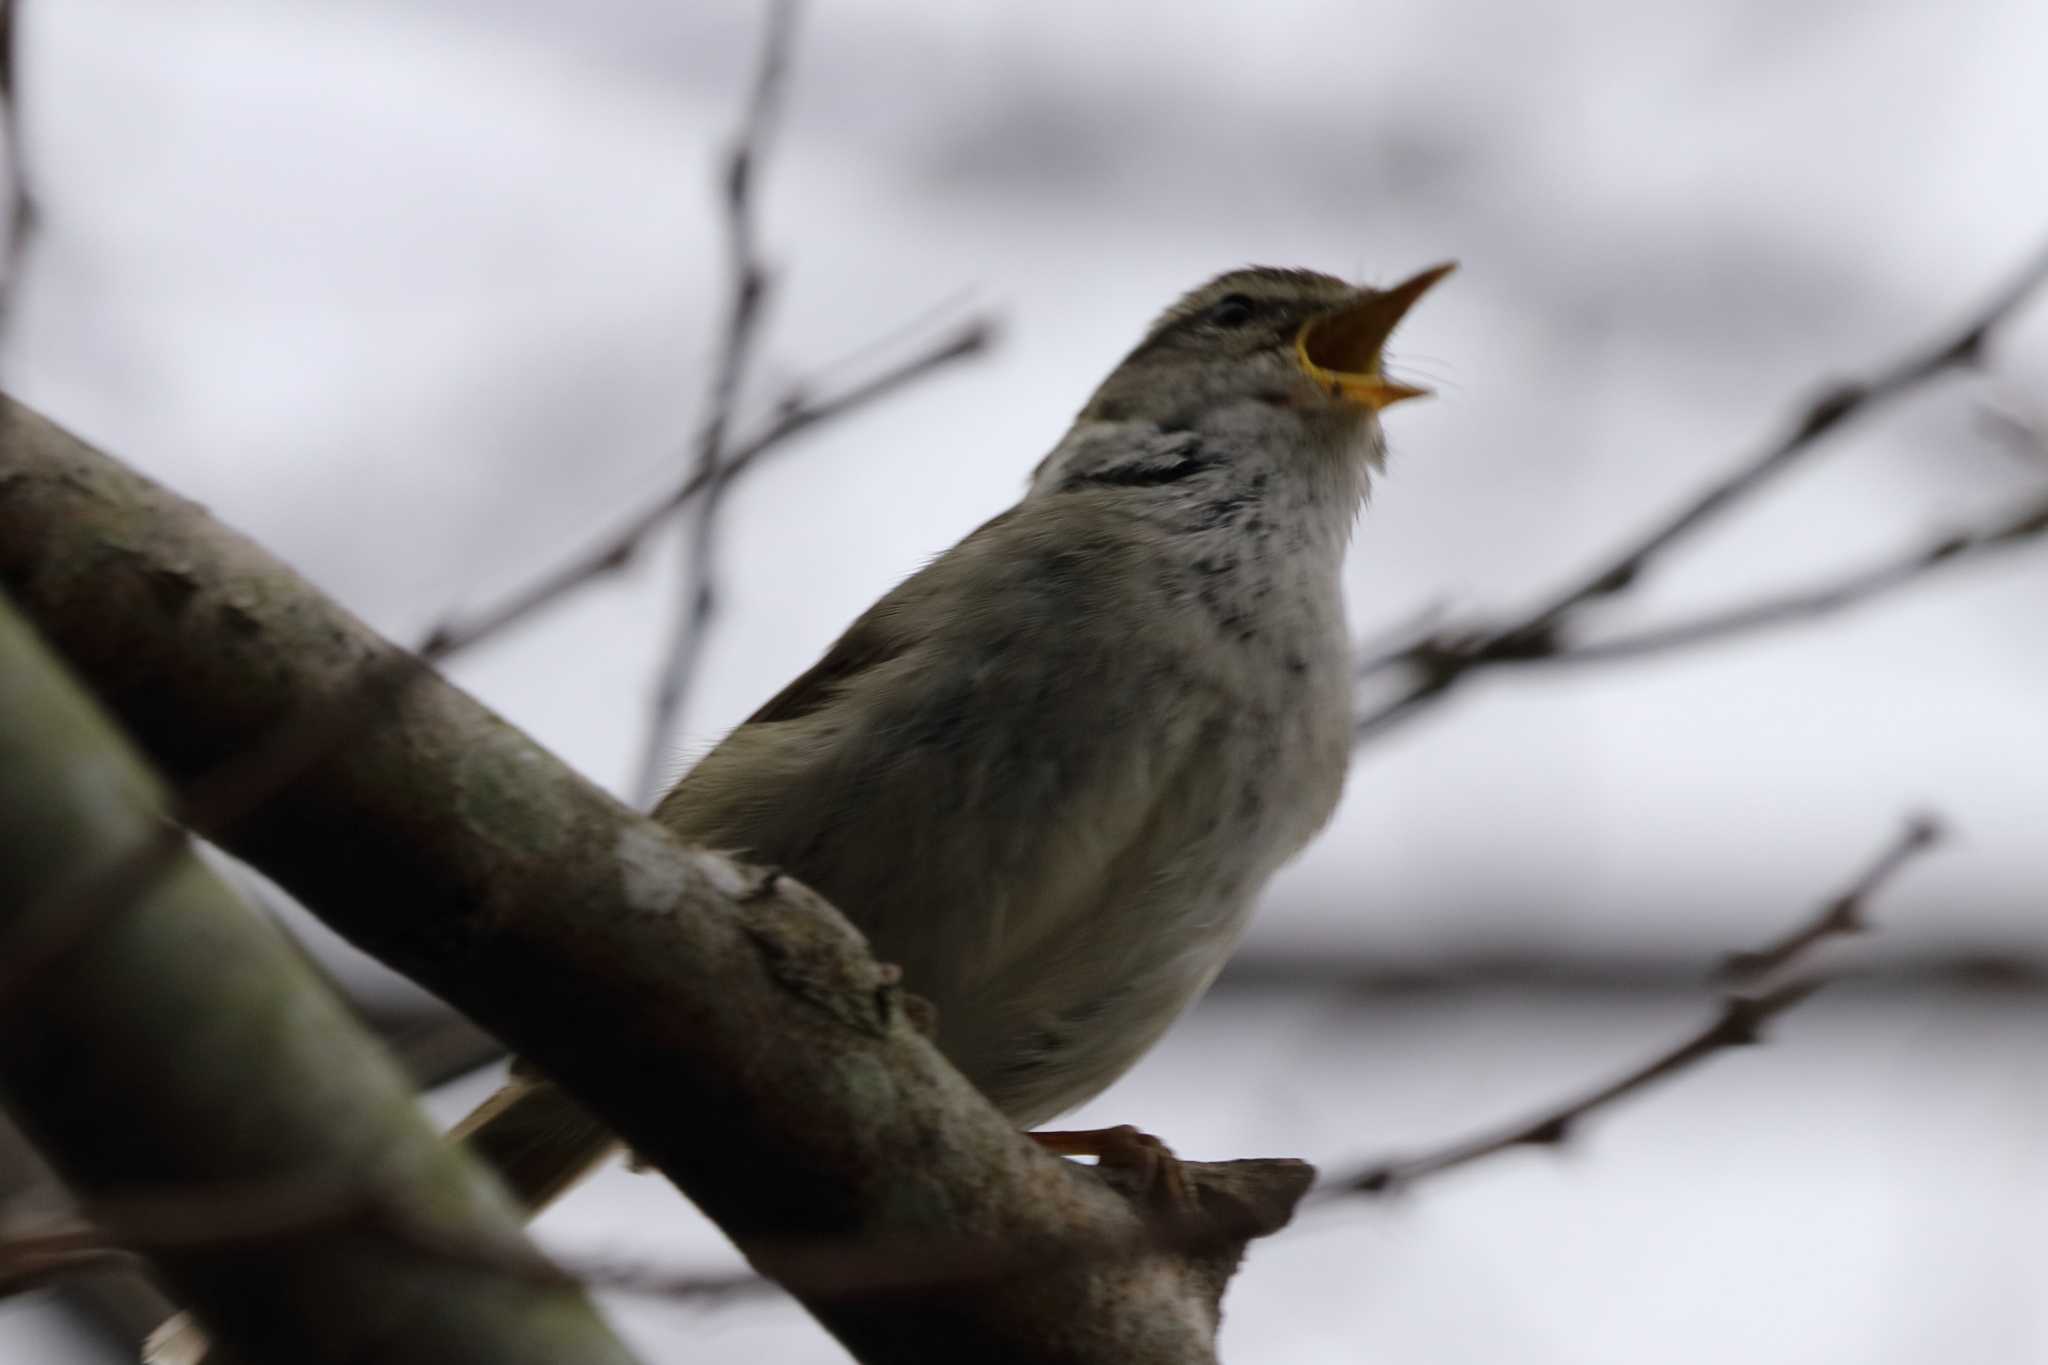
(420, 296)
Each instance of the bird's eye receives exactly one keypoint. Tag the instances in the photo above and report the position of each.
(1234, 311)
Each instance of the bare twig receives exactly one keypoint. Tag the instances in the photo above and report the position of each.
(1443, 659)
(794, 417)
(1832, 409)
(1744, 1012)
(1851, 589)
(20, 208)
(1841, 916)
(720, 460)
(697, 598)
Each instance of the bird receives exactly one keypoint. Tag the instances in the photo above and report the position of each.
(1049, 773)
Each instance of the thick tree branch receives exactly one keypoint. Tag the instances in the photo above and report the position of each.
(185, 1043)
(726, 1022)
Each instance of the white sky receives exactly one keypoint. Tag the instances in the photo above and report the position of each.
(418, 295)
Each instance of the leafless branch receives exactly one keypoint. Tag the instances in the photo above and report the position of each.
(1963, 350)
(20, 208)
(1851, 589)
(697, 599)
(1759, 995)
(1445, 658)
(720, 460)
(479, 866)
(1840, 917)
(795, 416)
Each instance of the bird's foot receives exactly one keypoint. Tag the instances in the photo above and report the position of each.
(1152, 1164)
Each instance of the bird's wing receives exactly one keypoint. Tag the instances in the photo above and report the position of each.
(781, 750)
(977, 762)
(871, 640)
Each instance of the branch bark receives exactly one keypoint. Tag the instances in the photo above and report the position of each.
(185, 1046)
(728, 1023)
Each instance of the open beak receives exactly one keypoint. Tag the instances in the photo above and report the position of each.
(1340, 350)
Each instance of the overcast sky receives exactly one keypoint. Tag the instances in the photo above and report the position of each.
(419, 295)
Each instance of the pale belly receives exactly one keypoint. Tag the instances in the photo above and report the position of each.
(1045, 1002)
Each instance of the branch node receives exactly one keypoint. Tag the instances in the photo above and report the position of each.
(1924, 829)
(1844, 915)
(1377, 1180)
(1829, 410)
(1742, 1021)
(1739, 1023)
(1538, 639)
(1618, 579)
(1967, 350)
(812, 951)
(752, 284)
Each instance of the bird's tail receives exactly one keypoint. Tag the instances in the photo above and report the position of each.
(537, 1139)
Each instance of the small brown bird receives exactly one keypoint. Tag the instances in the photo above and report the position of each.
(1049, 773)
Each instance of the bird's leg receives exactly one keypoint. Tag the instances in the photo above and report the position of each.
(1153, 1163)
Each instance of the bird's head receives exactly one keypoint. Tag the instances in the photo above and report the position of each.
(1295, 345)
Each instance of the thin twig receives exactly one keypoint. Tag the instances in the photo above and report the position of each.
(697, 599)
(793, 417)
(1739, 1022)
(1850, 589)
(1832, 409)
(1444, 659)
(20, 208)
(1840, 917)
(1391, 645)
(719, 460)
